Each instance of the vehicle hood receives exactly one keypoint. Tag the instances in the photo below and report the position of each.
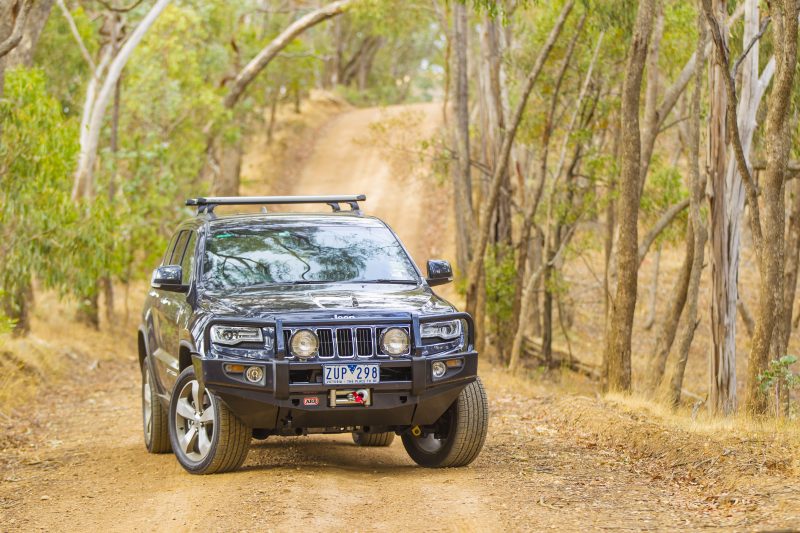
(349, 298)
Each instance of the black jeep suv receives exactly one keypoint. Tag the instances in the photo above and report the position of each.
(290, 324)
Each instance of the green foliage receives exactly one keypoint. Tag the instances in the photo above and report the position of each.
(500, 282)
(779, 376)
(6, 324)
(679, 40)
(664, 188)
(779, 371)
(43, 232)
(59, 57)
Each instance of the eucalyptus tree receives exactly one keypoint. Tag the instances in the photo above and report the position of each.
(617, 355)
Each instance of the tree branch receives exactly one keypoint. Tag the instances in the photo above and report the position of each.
(268, 53)
(73, 28)
(115, 9)
(756, 37)
(661, 224)
(16, 34)
(747, 317)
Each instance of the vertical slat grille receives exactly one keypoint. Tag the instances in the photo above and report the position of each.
(364, 341)
(325, 342)
(344, 342)
(287, 334)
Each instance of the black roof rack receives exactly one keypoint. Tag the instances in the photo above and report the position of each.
(207, 205)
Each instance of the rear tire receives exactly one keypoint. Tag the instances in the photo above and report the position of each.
(373, 439)
(206, 436)
(463, 432)
(154, 416)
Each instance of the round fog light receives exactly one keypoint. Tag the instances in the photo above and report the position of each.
(304, 344)
(254, 374)
(438, 368)
(394, 341)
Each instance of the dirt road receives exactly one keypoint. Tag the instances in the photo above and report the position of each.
(84, 466)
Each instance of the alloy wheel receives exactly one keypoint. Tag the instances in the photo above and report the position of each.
(194, 421)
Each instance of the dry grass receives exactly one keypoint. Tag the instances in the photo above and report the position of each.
(583, 274)
(730, 463)
(60, 348)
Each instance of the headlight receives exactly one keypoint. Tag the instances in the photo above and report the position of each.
(394, 341)
(232, 335)
(304, 343)
(443, 330)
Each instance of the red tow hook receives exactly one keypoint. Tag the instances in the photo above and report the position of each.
(358, 397)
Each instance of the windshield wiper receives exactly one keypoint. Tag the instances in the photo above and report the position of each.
(333, 282)
(295, 282)
(395, 281)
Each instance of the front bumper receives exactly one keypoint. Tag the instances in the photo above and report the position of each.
(280, 404)
(286, 401)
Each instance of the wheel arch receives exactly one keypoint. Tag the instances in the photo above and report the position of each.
(184, 356)
(142, 345)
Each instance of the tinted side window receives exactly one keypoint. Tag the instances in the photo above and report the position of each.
(170, 248)
(177, 253)
(187, 263)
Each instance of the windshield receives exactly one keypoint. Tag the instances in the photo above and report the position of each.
(244, 257)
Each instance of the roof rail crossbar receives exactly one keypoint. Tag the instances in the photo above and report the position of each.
(207, 204)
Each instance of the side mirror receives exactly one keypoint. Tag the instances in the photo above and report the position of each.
(439, 272)
(168, 278)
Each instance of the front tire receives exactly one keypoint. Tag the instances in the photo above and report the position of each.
(206, 436)
(373, 439)
(461, 432)
(154, 416)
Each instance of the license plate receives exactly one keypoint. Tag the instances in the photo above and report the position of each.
(351, 374)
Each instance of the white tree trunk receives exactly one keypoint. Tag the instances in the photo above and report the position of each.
(91, 139)
(728, 236)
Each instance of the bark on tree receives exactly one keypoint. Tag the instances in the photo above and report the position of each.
(778, 144)
(727, 202)
(617, 356)
(650, 123)
(790, 270)
(669, 324)
(15, 15)
(747, 317)
(490, 202)
(459, 122)
(696, 190)
(653, 297)
(22, 54)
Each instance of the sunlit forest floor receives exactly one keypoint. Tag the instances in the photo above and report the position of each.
(71, 448)
(558, 455)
